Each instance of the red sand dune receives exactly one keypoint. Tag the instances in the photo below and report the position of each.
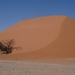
(42, 38)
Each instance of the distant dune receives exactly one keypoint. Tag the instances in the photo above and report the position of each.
(42, 38)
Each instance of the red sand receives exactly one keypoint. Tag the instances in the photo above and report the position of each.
(42, 38)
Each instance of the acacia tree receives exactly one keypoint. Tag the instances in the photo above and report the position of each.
(8, 46)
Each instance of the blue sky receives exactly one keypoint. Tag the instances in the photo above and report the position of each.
(13, 11)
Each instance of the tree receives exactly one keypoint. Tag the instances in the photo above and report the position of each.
(1, 46)
(8, 46)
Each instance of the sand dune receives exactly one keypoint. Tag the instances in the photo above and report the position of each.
(63, 46)
(42, 38)
(33, 34)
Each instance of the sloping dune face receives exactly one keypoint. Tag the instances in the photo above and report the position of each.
(43, 38)
(62, 47)
(34, 34)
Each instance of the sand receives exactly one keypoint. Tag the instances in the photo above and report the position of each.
(29, 68)
(34, 34)
(42, 38)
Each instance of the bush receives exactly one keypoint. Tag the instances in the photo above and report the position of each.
(7, 46)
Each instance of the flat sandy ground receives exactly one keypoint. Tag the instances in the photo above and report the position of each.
(15, 67)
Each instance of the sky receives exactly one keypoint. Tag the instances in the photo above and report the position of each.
(13, 11)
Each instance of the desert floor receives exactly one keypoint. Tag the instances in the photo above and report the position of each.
(52, 67)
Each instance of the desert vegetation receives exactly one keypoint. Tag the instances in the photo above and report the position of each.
(8, 46)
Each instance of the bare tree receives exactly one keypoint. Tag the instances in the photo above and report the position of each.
(1, 46)
(9, 46)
